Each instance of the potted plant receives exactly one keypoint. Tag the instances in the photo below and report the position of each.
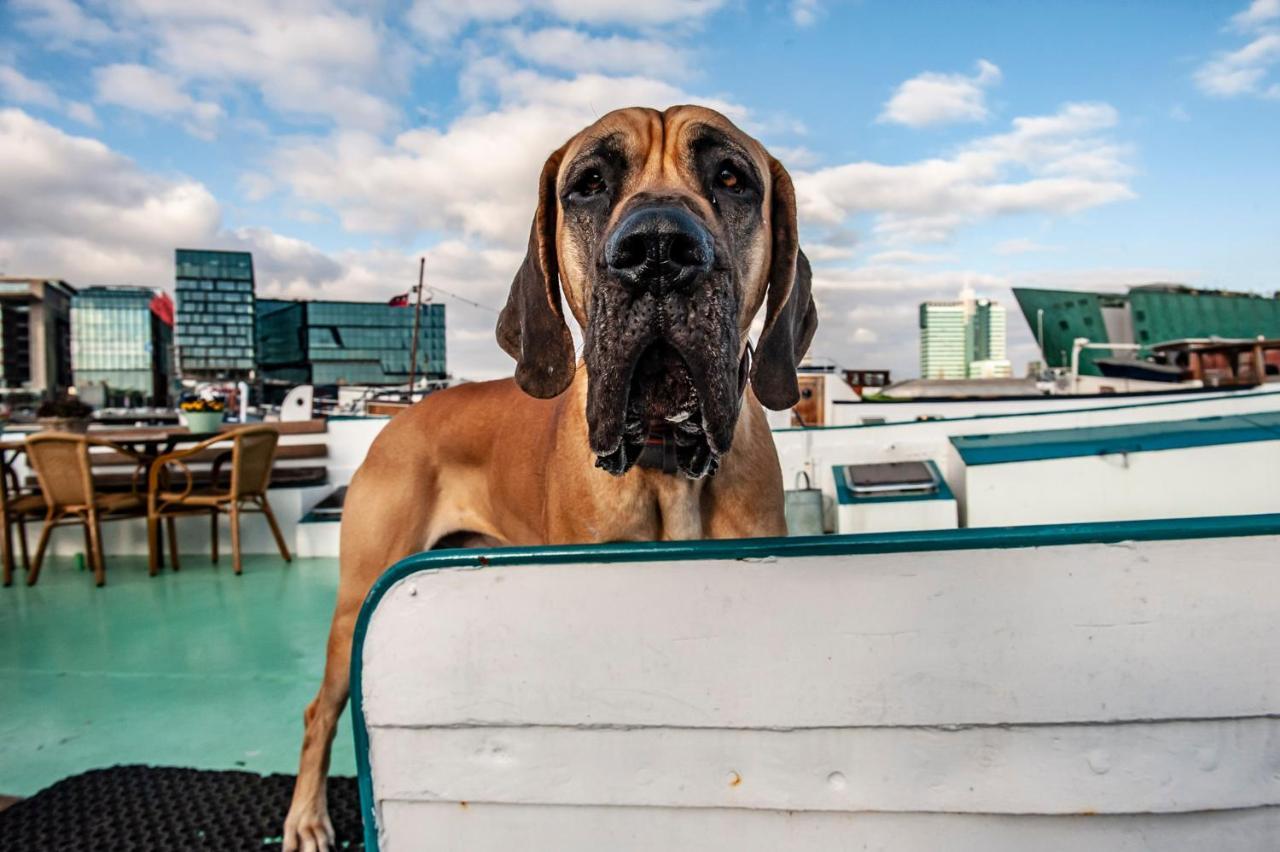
(66, 414)
(202, 416)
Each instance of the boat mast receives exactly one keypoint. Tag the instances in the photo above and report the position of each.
(417, 316)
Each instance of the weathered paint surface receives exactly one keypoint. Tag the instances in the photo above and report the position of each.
(1224, 479)
(1102, 696)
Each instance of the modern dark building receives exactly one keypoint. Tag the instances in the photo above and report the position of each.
(1146, 315)
(35, 335)
(347, 343)
(122, 345)
(215, 316)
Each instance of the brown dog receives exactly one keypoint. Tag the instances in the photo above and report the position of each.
(665, 232)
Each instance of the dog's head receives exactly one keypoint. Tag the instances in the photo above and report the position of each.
(666, 232)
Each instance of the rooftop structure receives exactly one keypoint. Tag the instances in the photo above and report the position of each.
(35, 335)
(1146, 315)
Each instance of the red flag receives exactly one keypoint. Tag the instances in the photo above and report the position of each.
(162, 306)
(401, 301)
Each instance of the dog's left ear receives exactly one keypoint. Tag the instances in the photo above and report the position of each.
(790, 316)
(531, 328)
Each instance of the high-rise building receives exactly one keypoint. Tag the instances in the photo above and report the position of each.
(122, 345)
(215, 317)
(944, 336)
(353, 343)
(963, 339)
(35, 335)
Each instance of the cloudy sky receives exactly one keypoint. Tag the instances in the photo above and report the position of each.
(934, 145)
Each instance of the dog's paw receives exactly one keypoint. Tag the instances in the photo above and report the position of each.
(308, 829)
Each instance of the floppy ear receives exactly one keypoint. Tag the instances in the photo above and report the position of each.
(531, 328)
(790, 315)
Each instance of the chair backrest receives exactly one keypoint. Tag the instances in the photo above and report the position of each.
(61, 463)
(252, 458)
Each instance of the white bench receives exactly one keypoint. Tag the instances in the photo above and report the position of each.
(1100, 687)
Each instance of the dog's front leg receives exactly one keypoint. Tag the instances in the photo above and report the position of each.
(388, 508)
(307, 828)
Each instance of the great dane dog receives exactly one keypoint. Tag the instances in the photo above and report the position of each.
(665, 233)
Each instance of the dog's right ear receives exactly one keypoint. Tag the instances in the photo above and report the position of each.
(531, 328)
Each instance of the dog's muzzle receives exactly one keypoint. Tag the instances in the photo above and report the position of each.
(664, 248)
(662, 343)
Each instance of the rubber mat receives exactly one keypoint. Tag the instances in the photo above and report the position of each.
(145, 808)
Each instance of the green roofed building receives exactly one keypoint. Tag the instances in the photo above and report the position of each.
(1146, 315)
(347, 343)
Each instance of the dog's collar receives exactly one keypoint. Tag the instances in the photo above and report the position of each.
(659, 451)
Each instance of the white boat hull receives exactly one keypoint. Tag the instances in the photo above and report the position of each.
(957, 690)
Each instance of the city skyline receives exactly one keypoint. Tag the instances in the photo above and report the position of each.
(930, 148)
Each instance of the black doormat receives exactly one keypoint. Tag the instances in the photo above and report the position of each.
(137, 808)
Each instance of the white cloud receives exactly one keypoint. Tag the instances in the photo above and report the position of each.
(21, 89)
(18, 87)
(895, 257)
(865, 335)
(1245, 71)
(573, 50)
(1059, 163)
(479, 183)
(805, 13)
(72, 208)
(1022, 245)
(818, 252)
(61, 22)
(144, 89)
(1259, 12)
(932, 98)
(306, 58)
(441, 19)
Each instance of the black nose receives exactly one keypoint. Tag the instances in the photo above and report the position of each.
(663, 247)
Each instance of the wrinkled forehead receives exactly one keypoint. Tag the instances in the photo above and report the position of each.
(660, 143)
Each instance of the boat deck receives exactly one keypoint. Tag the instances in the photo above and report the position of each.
(200, 669)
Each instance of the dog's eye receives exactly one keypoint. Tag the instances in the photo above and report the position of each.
(591, 183)
(729, 178)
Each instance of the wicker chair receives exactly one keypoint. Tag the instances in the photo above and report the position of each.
(252, 453)
(16, 508)
(65, 472)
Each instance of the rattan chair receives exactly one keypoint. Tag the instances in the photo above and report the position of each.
(251, 453)
(16, 508)
(65, 472)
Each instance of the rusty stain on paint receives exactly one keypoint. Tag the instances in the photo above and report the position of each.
(734, 778)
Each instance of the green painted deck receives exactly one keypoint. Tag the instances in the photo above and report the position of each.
(201, 668)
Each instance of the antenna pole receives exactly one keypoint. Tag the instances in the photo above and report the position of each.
(417, 316)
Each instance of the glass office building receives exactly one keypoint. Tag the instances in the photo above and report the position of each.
(122, 345)
(215, 317)
(347, 343)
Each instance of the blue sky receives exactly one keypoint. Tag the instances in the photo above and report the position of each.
(934, 145)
